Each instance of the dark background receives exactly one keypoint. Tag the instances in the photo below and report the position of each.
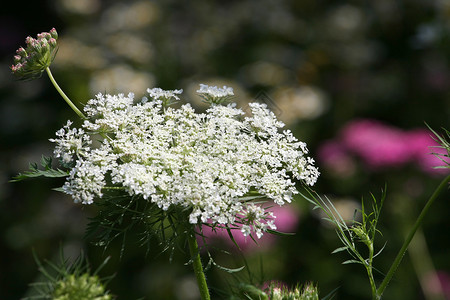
(330, 62)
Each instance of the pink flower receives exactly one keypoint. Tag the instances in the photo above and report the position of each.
(438, 283)
(379, 145)
(335, 157)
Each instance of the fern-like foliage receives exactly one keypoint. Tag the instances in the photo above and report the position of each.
(45, 170)
(122, 216)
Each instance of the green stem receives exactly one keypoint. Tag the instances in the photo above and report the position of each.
(410, 236)
(198, 268)
(369, 268)
(60, 91)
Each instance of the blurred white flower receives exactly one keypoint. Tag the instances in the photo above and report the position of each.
(266, 73)
(305, 102)
(72, 49)
(129, 16)
(119, 78)
(82, 7)
(131, 46)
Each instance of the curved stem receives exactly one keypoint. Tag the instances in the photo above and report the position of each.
(198, 268)
(410, 236)
(60, 91)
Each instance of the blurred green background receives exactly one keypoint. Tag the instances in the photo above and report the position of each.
(317, 64)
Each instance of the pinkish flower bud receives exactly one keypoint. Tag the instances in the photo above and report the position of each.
(29, 40)
(22, 52)
(53, 33)
(44, 44)
(44, 36)
(52, 42)
(39, 54)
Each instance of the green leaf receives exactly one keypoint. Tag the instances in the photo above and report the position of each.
(351, 261)
(340, 249)
(275, 232)
(331, 294)
(230, 234)
(248, 198)
(46, 171)
(229, 270)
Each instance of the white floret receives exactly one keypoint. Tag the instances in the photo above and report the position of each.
(214, 91)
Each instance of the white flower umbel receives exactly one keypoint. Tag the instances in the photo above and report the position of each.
(213, 94)
(70, 142)
(167, 97)
(212, 163)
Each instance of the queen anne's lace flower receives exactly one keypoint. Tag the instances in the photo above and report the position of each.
(213, 94)
(215, 91)
(158, 93)
(70, 142)
(206, 162)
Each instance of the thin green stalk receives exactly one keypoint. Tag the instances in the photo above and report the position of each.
(369, 268)
(198, 268)
(410, 236)
(60, 91)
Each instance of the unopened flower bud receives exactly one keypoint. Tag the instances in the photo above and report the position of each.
(39, 54)
(52, 42)
(310, 292)
(44, 36)
(29, 40)
(80, 287)
(362, 235)
(53, 33)
(44, 45)
(22, 52)
(279, 291)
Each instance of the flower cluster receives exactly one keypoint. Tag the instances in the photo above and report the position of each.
(70, 280)
(70, 142)
(167, 97)
(280, 292)
(211, 163)
(286, 220)
(38, 55)
(80, 287)
(213, 94)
